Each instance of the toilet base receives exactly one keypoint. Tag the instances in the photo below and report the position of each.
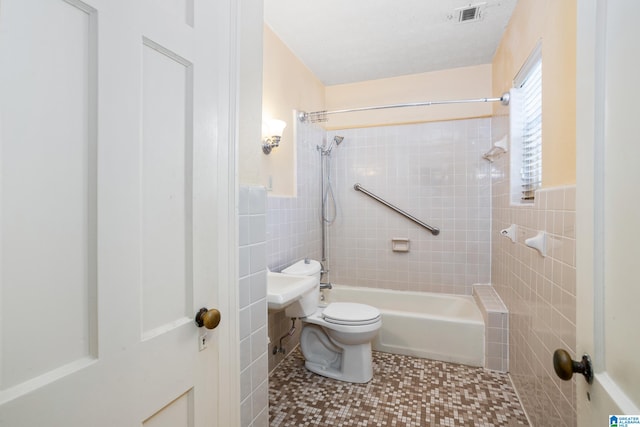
(361, 374)
(326, 357)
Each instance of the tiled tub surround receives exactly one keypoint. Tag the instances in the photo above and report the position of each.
(293, 226)
(539, 292)
(253, 307)
(439, 170)
(434, 171)
(496, 321)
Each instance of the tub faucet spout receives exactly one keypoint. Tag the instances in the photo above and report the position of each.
(325, 286)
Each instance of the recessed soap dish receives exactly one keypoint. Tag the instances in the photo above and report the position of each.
(400, 244)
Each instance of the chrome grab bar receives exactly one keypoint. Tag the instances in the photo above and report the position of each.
(435, 231)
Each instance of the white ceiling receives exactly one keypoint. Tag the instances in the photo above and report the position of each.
(345, 41)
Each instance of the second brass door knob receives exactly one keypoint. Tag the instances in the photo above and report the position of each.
(565, 367)
(210, 319)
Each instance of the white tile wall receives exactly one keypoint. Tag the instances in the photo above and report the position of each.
(253, 307)
(434, 171)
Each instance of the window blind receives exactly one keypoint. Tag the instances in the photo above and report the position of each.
(525, 130)
(531, 169)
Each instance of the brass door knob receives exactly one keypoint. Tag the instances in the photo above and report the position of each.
(565, 366)
(208, 318)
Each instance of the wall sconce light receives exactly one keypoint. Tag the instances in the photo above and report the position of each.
(273, 129)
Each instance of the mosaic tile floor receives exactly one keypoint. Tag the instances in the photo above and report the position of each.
(405, 391)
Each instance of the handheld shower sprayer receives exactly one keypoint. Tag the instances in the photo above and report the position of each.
(337, 140)
(329, 210)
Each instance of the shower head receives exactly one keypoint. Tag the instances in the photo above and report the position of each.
(336, 140)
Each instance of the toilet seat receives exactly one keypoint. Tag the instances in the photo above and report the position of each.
(349, 313)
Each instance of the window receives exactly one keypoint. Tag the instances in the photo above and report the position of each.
(526, 130)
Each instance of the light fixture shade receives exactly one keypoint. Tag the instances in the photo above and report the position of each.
(276, 127)
(271, 134)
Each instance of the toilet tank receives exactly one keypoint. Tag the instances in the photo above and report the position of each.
(308, 303)
(305, 267)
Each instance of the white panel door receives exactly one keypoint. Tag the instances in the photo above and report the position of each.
(608, 216)
(111, 116)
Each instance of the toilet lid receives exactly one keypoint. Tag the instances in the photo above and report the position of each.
(350, 313)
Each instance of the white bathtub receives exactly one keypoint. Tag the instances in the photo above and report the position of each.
(430, 325)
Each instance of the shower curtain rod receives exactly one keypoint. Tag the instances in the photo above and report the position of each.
(321, 116)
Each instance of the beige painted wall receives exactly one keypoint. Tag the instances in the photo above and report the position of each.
(287, 85)
(553, 22)
(249, 91)
(451, 84)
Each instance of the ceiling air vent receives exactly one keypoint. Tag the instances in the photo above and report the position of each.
(470, 13)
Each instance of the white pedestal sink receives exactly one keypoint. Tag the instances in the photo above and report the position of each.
(285, 289)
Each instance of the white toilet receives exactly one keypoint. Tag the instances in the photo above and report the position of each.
(336, 339)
